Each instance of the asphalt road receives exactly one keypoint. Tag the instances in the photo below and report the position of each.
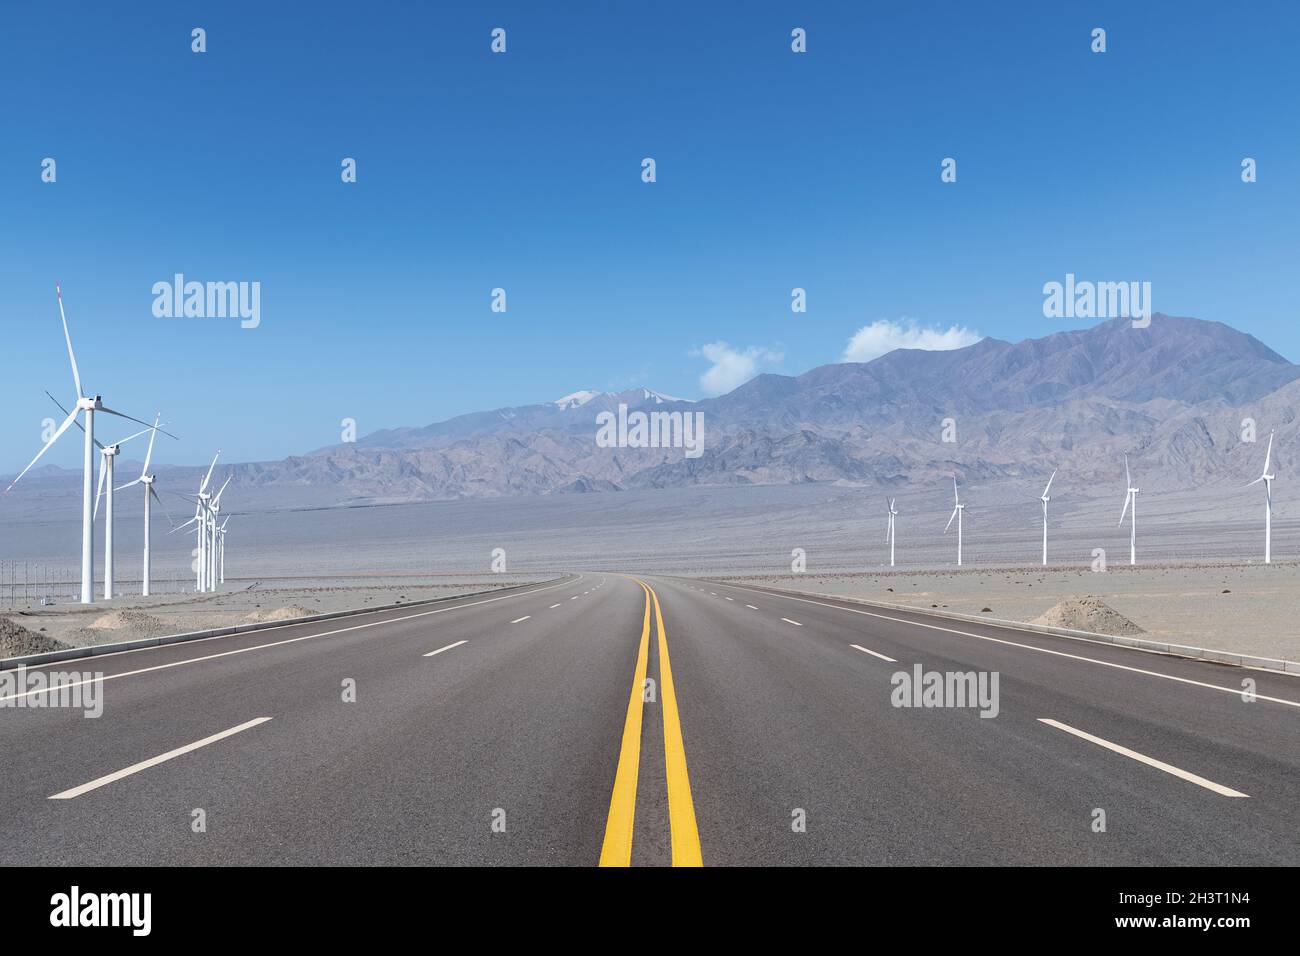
(609, 719)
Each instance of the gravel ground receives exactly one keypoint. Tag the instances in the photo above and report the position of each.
(128, 619)
(1250, 609)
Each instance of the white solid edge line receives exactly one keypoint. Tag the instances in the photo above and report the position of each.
(788, 621)
(873, 653)
(575, 597)
(519, 619)
(1236, 691)
(154, 761)
(729, 599)
(258, 647)
(358, 612)
(441, 649)
(751, 607)
(552, 607)
(1142, 758)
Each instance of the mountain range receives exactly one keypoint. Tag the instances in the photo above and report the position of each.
(1173, 396)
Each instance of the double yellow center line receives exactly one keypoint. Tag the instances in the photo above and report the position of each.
(617, 849)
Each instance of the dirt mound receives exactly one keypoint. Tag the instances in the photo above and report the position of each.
(279, 614)
(139, 623)
(17, 641)
(1088, 614)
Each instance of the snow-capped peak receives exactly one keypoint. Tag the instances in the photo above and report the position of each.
(576, 400)
(660, 397)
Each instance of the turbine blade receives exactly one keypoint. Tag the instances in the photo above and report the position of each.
(1128, 478)
(1127, 496)
(67, 337)
(128, 484)
(149, 453)
(57, 402)
(1049, 484)
(182, 527)
(950, 517)
(162, 506)
(98, 444)
(1268, 455)
(204, 487)
(216, 499)
(53, 438)
(99, 489)
(105, 408)
(123, 441)
(1255, 482)
(1268, 494)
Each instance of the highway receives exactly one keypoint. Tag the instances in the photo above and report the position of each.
(614, 720)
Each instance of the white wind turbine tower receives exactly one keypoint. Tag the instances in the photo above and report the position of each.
(89, 406)
(889, 531)
(1045, 499)
(221, 551)
(1268, 501)
(214, 511)
(147, 481)
(201, 519)
(1130, 498)
(198, 564)
(203, 501)
(107, 454)
(958, 508)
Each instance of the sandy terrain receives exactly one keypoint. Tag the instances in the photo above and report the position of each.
(71, 624)
(1191, 547)
(1250, 609)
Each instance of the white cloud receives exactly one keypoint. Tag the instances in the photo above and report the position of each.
(874, 340)
(731, 367)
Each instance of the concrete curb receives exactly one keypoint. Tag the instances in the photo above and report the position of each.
(1137, 643)
(96, 650)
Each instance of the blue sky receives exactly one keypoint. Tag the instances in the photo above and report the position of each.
(522, 171)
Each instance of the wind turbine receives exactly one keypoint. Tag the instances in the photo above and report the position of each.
(201, 519)
(889, 531)
(1268, 501)
(1045, 499)
(958, 508)
(221, 551)
(147, 481)
(1130, 497)
(89, 406)
(198, 564)
(107, 454)
(214, 511)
